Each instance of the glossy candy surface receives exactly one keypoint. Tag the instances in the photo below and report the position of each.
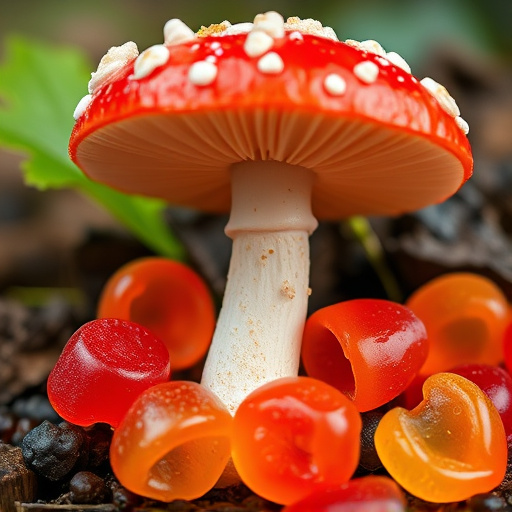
(173, 443)
(357, 346)
(465, 316)
(103, 368)
(449, 448)
(295, 434)
(168, 298)
(366, 494)
(496, 383)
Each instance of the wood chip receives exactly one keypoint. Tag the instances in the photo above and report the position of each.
(17, 483)
(47, 507)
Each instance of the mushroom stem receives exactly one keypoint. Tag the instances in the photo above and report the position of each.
(259, 330)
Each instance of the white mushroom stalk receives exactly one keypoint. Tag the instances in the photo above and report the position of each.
(260, 326)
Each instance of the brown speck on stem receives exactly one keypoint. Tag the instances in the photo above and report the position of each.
(287, 289)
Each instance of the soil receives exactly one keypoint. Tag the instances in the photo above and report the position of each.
(58, 250)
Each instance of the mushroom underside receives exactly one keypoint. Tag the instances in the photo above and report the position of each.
(360, 166)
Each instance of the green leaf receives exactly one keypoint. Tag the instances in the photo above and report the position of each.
(363, 232)
(40, 86)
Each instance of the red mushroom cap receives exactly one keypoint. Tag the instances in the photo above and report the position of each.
(378, 142)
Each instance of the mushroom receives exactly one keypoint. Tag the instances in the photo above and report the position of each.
(284, 125)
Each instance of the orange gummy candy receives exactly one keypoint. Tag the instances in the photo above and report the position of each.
(174, 442)
(294, 435)
(450, 447)
(465, 316)
(169, 299)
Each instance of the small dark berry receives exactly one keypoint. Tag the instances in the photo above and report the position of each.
(87, 488)
(122, 498)
(52, 451)
(125, 499)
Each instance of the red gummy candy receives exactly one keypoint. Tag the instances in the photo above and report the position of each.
(369, 349)
(168, 298)
(496, 383)
(103, 368)
(366, 494)
(507, 345)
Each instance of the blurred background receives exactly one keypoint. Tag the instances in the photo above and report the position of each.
(464, 44)
(48, 239)
(411, 27)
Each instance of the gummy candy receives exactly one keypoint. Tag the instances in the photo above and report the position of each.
(294, 434)
(366, 494)
(450, 447)
(173, 443)
(370, 349)
(465, 316)
(168, 298)
(104, 366)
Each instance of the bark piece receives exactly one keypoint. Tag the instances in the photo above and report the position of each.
(17, 483)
